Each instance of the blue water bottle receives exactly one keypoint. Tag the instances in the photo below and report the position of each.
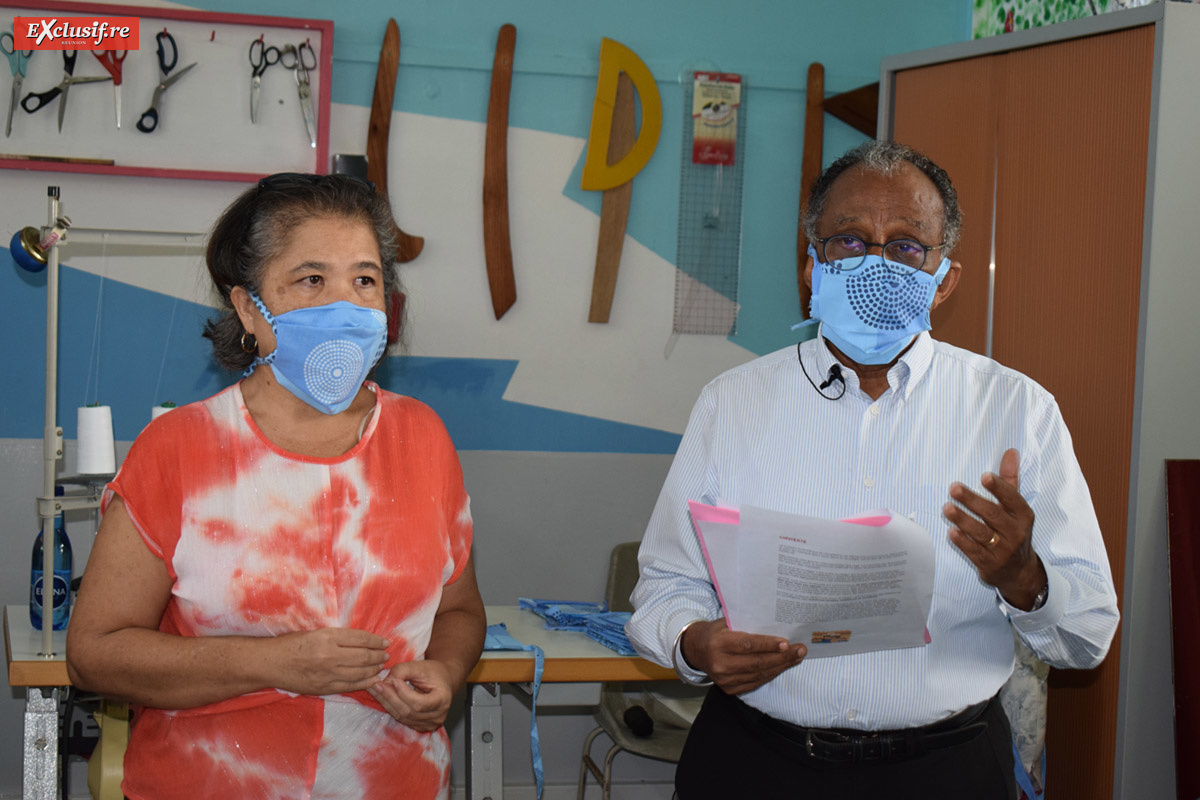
(63, 563)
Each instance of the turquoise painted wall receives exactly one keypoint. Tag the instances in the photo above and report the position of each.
(446, 57)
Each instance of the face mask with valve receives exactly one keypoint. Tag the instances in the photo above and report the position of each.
(324, 353)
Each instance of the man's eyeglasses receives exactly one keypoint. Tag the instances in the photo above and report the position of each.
(290, 180)
(902, 256)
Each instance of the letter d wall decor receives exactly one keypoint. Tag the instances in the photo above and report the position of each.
(614, 157)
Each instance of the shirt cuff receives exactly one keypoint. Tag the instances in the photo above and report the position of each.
(683, 669)
(1050, 613)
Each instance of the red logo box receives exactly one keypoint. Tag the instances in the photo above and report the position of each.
(76, 33)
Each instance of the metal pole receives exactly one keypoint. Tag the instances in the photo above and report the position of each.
(135, 233)
(51, 436)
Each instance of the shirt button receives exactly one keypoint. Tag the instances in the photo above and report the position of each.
(875, 410)
(868, 482)
(852, 714)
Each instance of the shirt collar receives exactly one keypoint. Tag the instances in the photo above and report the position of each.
(916, 361)
(904, 375)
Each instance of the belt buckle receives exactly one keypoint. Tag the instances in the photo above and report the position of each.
(842, 748)
(828, 746)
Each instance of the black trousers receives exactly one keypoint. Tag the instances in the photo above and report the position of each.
(729, 755)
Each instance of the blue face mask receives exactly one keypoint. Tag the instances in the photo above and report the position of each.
(323, 353)
(872, 313)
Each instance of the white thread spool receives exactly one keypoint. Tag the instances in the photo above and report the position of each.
(97, 453)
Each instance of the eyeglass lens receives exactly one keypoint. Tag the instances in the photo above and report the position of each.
(845, 247)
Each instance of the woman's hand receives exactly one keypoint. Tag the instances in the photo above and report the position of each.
(416, 693)
(329, 660)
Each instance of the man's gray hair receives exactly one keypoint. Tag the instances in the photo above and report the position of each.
(886, 158)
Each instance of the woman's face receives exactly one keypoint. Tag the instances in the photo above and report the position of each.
(325, 259)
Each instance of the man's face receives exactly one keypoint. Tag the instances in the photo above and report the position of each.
(882, 208)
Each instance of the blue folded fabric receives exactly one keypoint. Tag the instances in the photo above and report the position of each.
(609, 630)
(562, 615)
(593, 619)
(498, 638)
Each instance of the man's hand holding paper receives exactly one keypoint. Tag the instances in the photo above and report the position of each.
(838, 587)
(735, 660)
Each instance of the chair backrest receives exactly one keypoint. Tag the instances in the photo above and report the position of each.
(622, 576)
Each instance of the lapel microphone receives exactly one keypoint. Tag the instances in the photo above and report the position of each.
(835, 374)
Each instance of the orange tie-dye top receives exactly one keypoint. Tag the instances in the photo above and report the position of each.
(261, 542)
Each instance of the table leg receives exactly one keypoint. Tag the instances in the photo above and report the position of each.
(40, 780)
(485, 749)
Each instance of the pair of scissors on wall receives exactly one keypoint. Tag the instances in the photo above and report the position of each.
(36, 100)
(113, 63)
(306, 61)
(149, 119)
(16, 61)
(262, 57)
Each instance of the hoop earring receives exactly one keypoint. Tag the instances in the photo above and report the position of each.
(252, 346)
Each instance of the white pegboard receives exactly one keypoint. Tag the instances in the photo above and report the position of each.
(204, 118)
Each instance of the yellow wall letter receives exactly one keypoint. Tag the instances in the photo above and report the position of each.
(598, 174)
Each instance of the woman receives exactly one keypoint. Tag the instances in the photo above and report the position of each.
(282, 579)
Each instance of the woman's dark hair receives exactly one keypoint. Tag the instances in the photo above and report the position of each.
(256, 227)
(885, 158)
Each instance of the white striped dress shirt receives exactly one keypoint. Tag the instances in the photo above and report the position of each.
(761, 435)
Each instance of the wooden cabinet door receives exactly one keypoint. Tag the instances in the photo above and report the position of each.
(1053, 140)
(948, 112)
(1071, 191)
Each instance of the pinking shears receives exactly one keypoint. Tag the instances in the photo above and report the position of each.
(16, 61)
(149, 119)
(113, 63)
(36, 100)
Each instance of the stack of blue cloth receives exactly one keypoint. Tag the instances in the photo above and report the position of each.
(609, 630)
(593, 619)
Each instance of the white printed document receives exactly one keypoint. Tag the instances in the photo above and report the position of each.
(838, 586)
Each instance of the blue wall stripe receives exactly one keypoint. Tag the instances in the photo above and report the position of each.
(468, 394)
(137, 326)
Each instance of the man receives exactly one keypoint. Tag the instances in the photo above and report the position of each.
(874, 413)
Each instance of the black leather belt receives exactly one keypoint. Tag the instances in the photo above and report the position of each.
(845, 746)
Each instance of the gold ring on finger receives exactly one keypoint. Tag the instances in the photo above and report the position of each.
(992, 541)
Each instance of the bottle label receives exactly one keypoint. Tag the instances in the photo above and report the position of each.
(62, 589)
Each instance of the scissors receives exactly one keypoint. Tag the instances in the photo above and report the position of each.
(112, 63)
(36, 100)
(149, 119)
(301, 66)
(16, 61)
(267, 56)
